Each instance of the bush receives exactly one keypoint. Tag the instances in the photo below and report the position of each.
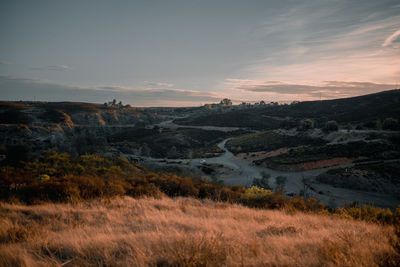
(256, 197)
(390, 124)
(307, 124)
(331, 126)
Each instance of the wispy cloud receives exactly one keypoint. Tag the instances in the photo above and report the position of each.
(4, 63)
(325, 89)
(31, 89)
(391, 38)
(158, 84)
(52, 68)
(339, 40)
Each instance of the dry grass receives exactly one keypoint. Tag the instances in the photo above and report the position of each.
(185, 232)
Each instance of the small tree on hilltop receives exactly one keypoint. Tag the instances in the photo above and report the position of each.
(226, 102)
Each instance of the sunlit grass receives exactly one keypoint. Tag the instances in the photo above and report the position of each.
(185, 232)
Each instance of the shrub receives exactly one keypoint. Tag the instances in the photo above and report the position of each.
(390, 124)
(43, 178)
(307, 124)
(331, 126)
(256, 197)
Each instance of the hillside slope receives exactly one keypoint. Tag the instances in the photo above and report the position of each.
(185, 232)
(361, 109)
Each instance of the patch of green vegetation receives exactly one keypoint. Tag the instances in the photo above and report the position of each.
(7, 105)
(14, 116)
(180, 143)
(350, 150)
(238, 118)
(11, 113)
(268, 141)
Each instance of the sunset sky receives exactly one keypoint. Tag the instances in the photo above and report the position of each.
(187, 53)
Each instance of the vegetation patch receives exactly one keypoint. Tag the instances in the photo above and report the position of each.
(368, 150)
(379, 177)
(268, 141)
(180, 143)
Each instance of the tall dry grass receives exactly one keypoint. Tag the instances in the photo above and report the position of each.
(185, 232)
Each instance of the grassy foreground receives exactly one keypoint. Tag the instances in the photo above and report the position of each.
(186, 232)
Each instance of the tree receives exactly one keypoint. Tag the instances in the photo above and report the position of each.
(306, 124)
(280, 182)
(263, 181)
(305, 192)
(145, 150)
(390, 124)
(208, 106)
(226, 102)
(331, 126)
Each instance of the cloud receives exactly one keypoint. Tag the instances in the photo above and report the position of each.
(391, 38)
(52, 68)
(5, 63)
(158, 84)
(31, 89)
(325, 89)
(338, 40)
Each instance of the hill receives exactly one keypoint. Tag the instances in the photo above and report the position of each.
(364, 109)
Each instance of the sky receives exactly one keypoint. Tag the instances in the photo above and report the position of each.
(192, 52)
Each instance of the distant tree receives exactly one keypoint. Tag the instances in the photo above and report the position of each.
(263, 181)
(262, 103)
(208, 106)
(306, 124)
(280, 182)
(114, 102)
(145, 150)
(305, 192)
(172, 152)
(226, 102)
(331, 126)
(390, 124)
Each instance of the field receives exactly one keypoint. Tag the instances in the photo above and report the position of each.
(352, 150)
(268, 141)
(185, 232)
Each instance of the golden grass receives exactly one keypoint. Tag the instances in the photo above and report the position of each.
(185, 232)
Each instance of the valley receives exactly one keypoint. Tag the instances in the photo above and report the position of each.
(267, 141)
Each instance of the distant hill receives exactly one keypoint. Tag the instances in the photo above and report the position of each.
(361, 109)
